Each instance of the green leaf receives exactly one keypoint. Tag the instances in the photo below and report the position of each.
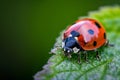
(60, 67)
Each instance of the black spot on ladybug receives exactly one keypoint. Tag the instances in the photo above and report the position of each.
(94, 43)
(85, 43)
(90, 31)
(104, 36)
(97, 25)
(75, 33)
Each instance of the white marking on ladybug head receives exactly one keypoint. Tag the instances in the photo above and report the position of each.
(68, 51)
(75, 50)
(63, 44)
(70, 35)
(76, 38)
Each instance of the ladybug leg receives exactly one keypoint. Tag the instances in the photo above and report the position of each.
(79, 57)
(97, 55)
(108, 44)
(65, 53)
(68, 55)
(85, 56)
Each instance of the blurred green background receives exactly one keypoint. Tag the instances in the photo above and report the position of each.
(29, 29)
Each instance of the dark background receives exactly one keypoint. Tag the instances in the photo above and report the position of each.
(29, 29)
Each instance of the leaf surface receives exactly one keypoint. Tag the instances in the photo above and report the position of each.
(60, 67)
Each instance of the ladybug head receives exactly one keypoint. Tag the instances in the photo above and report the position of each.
(70, 42)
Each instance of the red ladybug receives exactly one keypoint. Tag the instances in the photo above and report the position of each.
(85, 35)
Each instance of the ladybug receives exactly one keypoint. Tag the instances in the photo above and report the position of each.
(85, 35)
